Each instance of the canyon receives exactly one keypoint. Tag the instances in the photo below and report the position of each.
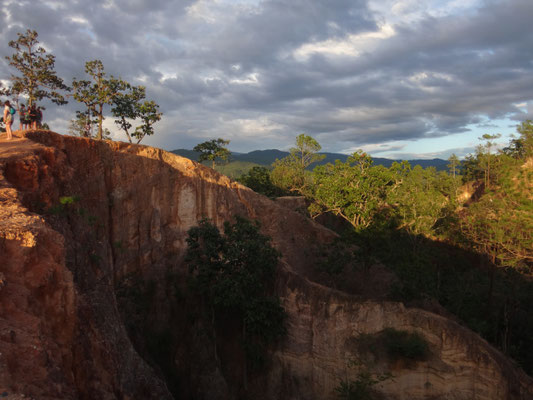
(94, 305)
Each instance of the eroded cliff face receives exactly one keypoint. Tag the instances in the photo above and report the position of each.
(79, 218)
(322, 342)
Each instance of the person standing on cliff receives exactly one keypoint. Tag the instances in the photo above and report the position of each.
(22, 117)
(8, 119)
(39, 123)
(32, 116)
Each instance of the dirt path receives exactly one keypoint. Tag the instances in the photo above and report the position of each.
(17, 146)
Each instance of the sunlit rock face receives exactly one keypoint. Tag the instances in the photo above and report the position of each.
(63, 334)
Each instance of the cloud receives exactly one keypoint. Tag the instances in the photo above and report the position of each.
(461, 153)
(352, 73)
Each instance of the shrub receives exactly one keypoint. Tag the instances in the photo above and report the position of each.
(361, 388)
(235, 272)
(405, 345)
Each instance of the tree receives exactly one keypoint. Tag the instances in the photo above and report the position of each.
(290, 172)
(83, 126)
(213, 149)
(38, 78)
(258, 179)
(522, 146)
(485, 156)
(525, 129)
(471, 169)
(354, 190)
(421, 198)
(97, 92)
(453, 164)
(235, 273)
(78, 126)
(500, 227)
(500, 223)
(128, 107)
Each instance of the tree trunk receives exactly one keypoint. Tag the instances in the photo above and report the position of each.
(126, 130)
(100, 121)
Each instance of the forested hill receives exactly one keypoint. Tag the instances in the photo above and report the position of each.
(267, 157)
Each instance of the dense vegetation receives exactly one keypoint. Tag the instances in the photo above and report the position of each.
(474, 257)
(234, 272)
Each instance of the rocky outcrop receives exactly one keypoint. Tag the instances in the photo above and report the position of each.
(322, 345)
(59, 336)
(79, 217)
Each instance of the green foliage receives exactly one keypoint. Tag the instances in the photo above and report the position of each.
(342, 265)
(484, 155)
(405, 345)
(471, 169)
(453, 165)
(212, 150)
(394, 345)
(290, 173)
(433, 272)
(38, 79)
(361, 388)
(334, 257)
(234, 272)
(421, 197)
(258, 179)
(65, 202)
(474, 267)
(500, 223)
(354, 190)
(521, 147)
(84, 126)
(97, 92)
(128, 106)
(77, 126)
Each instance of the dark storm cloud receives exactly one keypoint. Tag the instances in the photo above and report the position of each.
(237, 69)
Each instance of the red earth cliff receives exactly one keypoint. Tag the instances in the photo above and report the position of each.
(81, 218)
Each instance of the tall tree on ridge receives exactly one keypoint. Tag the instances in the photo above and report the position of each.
(38, 79)
(453, 165)
(213, 149)
(485, 155)
(128, 107)
(97, 92)
(290, 172)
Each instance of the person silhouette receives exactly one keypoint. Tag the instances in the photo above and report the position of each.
(22, 117)
(8, 119)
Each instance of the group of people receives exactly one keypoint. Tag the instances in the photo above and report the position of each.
(30, 118)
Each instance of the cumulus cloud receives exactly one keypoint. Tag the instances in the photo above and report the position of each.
(352, 73)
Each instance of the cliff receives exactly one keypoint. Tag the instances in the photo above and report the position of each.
(92, 240)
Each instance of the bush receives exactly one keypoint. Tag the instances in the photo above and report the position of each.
(258, 179)
(235, 273)
(361, 388)
(405, 345)
(391, 345)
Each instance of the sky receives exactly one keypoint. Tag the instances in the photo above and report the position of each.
(397, 78)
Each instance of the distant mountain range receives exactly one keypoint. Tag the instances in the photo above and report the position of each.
(267, 157)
